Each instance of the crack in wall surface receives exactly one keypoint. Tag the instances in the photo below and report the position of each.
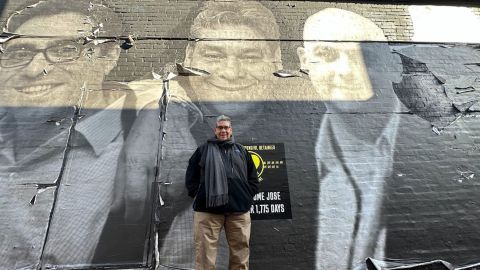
(71, 131)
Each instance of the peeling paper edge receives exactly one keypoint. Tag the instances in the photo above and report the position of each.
(6, 36)
(40, 191)
(190, 71)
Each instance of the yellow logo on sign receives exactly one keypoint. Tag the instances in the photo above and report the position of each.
(258, 161)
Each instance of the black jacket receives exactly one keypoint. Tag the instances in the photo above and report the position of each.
(240, 191)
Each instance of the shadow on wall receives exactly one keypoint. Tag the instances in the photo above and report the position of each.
(61, 135)
(78, 156)
(2, 5)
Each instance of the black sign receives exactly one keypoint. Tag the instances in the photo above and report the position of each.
(273, 200)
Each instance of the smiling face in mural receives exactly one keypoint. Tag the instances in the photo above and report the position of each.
(239, 70)
(45, 71)
(337, 69)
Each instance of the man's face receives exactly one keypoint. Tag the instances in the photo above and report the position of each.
(48, 72)
(337, 70)
(239, 69)
(223, 130)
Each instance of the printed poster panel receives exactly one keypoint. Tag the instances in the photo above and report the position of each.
(273, 199)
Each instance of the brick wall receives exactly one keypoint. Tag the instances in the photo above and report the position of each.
(379, 140)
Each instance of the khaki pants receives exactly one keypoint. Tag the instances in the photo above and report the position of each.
(207, 228)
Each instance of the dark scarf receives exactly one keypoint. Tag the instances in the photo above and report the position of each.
(216, 185)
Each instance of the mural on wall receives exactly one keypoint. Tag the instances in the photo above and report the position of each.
(353, 160)
(380, 138)
(448, 176)
(238, 81)
(62, 133)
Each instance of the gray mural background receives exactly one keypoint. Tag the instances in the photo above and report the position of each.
(103, 102)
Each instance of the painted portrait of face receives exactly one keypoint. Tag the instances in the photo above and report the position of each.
(237, 69)
(233, 44)
(338, 70)
(51, 68)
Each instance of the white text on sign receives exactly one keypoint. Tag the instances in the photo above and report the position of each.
(267, 196)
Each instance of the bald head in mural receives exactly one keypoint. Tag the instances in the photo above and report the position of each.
(333, 55)
(349, 75)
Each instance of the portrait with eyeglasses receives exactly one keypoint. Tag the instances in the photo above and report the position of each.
(62, 51)
(50, 72)
(62, 125)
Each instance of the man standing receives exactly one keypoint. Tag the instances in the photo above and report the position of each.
(222, 177)
(237, 43)
(240, 84)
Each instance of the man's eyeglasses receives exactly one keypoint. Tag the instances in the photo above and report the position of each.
(223, 127)
(22, 55)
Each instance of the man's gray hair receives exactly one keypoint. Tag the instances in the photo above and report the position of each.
(224, 118)
(248, 13)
